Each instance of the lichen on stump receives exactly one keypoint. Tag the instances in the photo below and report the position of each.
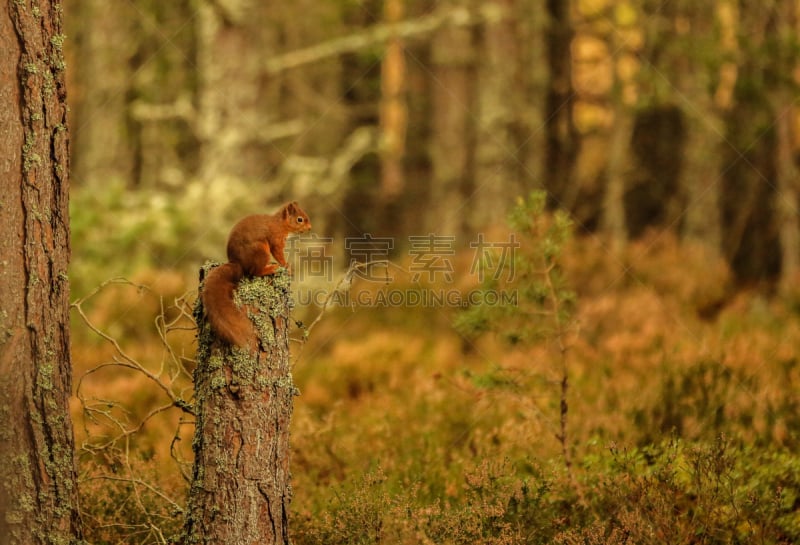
(241, 490)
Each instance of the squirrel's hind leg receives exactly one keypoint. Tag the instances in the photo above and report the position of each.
(261, 260)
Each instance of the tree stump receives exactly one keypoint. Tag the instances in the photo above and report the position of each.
(240, 489)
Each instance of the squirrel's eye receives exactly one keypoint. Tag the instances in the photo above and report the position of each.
(299, 220)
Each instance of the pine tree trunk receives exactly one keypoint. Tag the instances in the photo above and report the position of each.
(393, 110)
(787, 197)
(38, 484)
(562, 138)
(235, 100)
(534, 74)
(452, 132)
(787, 173)
(102, 145)
(614, 220)
(497, 103)
(240, 491)
(701, 174)
(701, 165)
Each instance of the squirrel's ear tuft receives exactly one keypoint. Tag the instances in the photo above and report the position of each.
(289, 209)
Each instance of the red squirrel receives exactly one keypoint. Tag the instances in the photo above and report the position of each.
(251, 243)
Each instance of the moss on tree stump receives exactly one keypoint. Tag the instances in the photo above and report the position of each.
(241, 490)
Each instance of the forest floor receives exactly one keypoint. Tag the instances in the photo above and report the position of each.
(683, 421)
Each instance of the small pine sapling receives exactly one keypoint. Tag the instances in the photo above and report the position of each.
(544, 304)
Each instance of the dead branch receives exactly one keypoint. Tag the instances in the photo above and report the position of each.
(123, 359)
(342, 287)
(115, 442)
(380, 33)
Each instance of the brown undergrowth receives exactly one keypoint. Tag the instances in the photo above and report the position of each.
(683, 418)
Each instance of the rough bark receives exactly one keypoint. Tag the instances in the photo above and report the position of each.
(38, 494)
(240, 490)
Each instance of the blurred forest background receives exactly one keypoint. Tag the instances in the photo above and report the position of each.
(669, 114)
(667, 130)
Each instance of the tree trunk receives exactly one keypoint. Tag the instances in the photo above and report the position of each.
(102, 146)
(240, 490)
(236, 101)
(393, 111)
(308, 96)
(38, 496)
(618, 170)
(786, 171)
(624, 93)
(498, 99)
(452, 145)
(701, 169)
(533, 71)
(787, 196)
(701, 173)
(562, 138)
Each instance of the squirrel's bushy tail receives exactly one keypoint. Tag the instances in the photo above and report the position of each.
(227, 320)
